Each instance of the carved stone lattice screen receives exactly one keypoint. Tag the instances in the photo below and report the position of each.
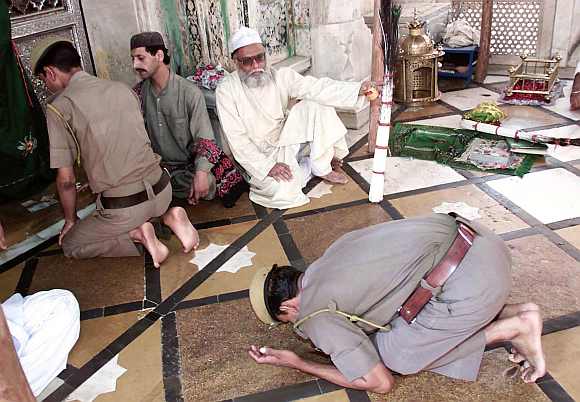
(272, 23)
(516, 24)
(284, 26)
(33, 20)
(194, 31)
(206, 31)
(28, 8)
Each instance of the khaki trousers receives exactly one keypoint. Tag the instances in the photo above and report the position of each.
(106, 232)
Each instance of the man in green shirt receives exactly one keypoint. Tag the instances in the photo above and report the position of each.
(344, 297)
(179, 127)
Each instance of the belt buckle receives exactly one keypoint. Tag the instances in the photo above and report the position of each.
(469, 236)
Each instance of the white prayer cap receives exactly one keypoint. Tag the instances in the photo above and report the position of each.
(244, 36)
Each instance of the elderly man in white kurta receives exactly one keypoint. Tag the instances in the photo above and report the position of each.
(279, 148)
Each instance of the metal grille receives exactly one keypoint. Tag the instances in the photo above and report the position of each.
(272, 23)
(25, 46)
(60, 18)
(25, 8)
(515, 27)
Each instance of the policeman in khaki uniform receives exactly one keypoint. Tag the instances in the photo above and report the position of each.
(426, 293)
(98, 123)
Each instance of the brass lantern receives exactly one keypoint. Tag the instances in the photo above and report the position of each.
(417, 67)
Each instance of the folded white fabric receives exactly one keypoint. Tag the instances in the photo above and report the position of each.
(44, 328)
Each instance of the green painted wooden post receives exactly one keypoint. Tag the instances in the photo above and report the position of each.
(226, 21)
(173, 29)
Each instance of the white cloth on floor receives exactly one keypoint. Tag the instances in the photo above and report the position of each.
(261, 130)
(44, 328)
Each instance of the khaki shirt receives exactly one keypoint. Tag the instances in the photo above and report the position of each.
(107, 123)
(176, 118)
(369, 273)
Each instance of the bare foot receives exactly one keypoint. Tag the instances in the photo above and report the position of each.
(335, 177)
(336, 163)
(145, 234)
(176, 218)
(528, 344)
(515, 357)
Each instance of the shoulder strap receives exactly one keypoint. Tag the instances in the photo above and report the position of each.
(351, 317)
(53, 109)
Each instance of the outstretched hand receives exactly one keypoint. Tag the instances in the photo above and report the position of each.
(275, 357)
(65, 229)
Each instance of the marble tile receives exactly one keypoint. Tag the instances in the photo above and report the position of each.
(571, 235)
(563, 153)
(207, 211)
(469, 98)
(40, 237)
(95, 282)
(20, 224)
(98, 333)
(549, 195)
(50, 388)
(492, 79)
(264, 250)
(562, 350)
(521, 117)
(491, 385)
(403, 174)
(362, 151)
(143, 380)
(544, 274)
(215, 365)
(336, 396)
(178, 268)
(490, 212)
(418, 113)
(325, 194)
(562, 105)
(9, 281)
(353, 136)
(314, 234)
(451, 84)
(453, 121)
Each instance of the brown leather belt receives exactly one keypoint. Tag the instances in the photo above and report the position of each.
(438, 275)
(137, 198)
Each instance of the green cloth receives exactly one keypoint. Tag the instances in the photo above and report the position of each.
(460, 148)
(24, 156)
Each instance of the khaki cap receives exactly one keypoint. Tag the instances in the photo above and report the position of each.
(42, 47)
(257, 297)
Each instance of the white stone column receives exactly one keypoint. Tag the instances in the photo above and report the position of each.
(341, 42)
(566, 36)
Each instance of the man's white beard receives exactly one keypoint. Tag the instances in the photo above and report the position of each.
(257, 79)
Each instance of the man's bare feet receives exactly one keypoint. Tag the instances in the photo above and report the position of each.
(177, 220)
(528, 344)
(145, 234)
(335, 177)
(336, 163)
(521, 324)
